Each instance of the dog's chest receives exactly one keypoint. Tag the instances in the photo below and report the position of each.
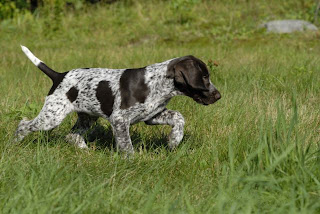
(159, 91)
(147, 112)
(144, 111)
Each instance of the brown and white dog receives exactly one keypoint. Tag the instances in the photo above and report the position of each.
(122, 96)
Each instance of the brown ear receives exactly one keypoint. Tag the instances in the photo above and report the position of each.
(186, 72)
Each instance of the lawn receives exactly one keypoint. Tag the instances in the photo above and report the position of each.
(254, 151)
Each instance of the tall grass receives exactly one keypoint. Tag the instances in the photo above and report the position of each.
(254, 151)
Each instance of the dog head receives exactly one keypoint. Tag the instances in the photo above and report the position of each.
(191, 77)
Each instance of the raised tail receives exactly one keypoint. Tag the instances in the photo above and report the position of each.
(54, 76)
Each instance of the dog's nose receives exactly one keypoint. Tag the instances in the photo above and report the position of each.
(217, 95)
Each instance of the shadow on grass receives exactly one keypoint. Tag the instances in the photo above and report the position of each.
(103, 138)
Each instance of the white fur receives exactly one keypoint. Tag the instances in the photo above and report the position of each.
(30, 55)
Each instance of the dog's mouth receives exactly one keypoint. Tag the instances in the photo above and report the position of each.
(206, 100)
(203, 97)
(200, 101)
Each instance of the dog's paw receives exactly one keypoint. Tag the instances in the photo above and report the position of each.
(77, 140)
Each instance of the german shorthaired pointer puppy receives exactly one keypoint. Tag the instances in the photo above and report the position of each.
(122, 96)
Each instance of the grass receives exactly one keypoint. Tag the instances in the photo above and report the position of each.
(254, 151)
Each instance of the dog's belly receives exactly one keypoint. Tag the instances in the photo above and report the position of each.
(139, 112)
(87, 103)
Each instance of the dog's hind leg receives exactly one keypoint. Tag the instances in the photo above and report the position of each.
(53, 112)
(84, 122)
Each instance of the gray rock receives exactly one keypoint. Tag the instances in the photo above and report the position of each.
(288, 26)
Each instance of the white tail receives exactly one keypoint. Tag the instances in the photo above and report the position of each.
(30, 55)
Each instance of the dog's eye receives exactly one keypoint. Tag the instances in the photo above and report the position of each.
(205, 77)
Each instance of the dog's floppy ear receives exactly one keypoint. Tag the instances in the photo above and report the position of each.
(186, 73)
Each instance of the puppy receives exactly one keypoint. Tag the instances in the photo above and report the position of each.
(122, 96)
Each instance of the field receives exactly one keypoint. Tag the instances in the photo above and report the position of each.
(254, 151)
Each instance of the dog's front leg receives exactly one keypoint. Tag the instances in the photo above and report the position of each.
(122, 136)
(175, 120)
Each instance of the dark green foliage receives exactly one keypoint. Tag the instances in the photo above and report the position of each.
(10, 8)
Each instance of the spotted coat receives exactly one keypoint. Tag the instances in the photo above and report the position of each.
(122, 96)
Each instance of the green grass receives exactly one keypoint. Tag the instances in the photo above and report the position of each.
(255, 151)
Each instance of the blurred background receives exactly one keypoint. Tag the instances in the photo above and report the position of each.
(152, 21)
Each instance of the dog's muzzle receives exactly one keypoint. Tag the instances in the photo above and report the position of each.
(207, 98)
